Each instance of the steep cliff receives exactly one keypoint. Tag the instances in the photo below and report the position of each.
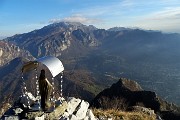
(9, 51)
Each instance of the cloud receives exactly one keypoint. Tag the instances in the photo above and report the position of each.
(104, 9)
(170, 2)
(156, 15)
(127, 3)
(77, 18)
(167, 14)
(167, 20)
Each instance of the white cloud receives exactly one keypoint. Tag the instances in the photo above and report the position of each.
(166, 20)
(127, 3)
(77, 18)
(167, 14)
(104, 9)
(170, 2)
(156, 15)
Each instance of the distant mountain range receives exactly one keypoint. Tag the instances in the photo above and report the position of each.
(95, 58)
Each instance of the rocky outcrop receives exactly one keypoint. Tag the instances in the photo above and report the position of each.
(77, 110)
(70, 109)
(9, 51)
(126, 93)
(142, 109)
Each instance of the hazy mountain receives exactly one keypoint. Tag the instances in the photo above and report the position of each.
(2, 37)
(119, 29)
(149, 57)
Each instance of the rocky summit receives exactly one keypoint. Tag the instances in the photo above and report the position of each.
(70, 109)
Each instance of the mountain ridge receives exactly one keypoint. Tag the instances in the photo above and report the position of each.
(54, 38)
(150, 58)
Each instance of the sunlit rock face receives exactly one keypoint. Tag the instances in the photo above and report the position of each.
(9, 51)
(56, 38)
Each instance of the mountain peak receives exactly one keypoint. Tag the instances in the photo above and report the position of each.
(127, 84)
(126, 94)
(65, 24)
(119, 29)
(71, 25)
(130, 93)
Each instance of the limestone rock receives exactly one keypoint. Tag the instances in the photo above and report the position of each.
(143, 109)
(28, 99)
(17, 111)
(77, 110)
(72, 104)
(73, 117)
(31, 97)
(65, 115)
(33, 115)
(89, 115)
(73, 109)
(11, 118)
(82, 110)
(40, 118)
(58, 111)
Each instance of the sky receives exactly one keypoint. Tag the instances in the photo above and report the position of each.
(21, 16)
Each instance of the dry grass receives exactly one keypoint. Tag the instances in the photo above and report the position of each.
(4, 108)
(120, 115)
